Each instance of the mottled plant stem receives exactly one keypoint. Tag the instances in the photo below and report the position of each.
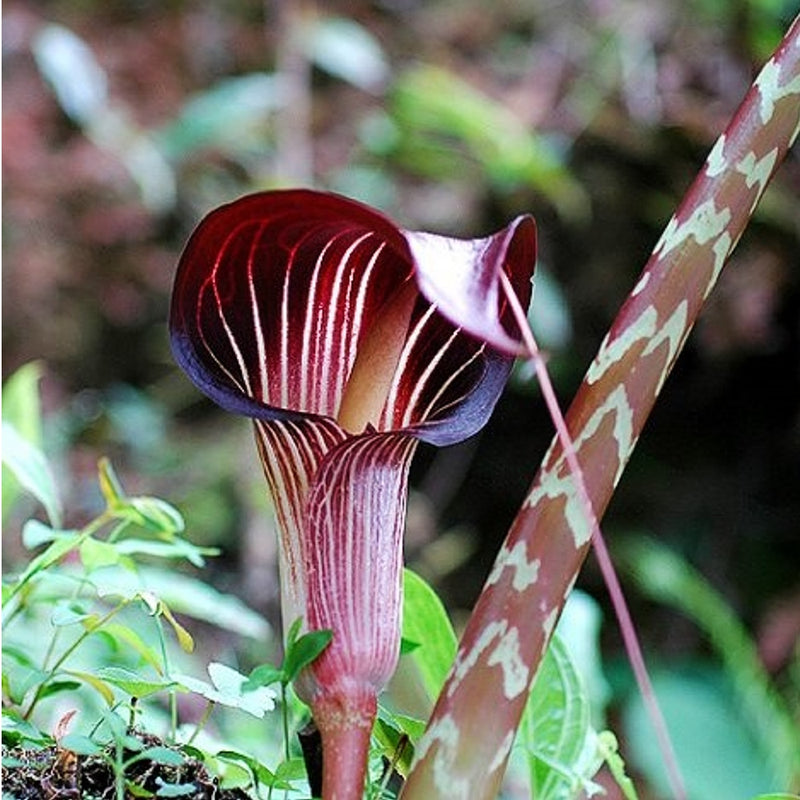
(468, 740)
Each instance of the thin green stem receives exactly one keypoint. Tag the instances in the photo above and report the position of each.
(203, 721)
(70, 650)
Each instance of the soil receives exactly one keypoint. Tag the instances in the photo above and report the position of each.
(56, 773)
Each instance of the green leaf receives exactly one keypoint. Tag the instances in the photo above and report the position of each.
(156, 515)
(425, 621)
(82, 745)
(22, 409)
(228, 689)
(259, 772)
(162, 755)
(95, 553)
(184, 595)
(68, 612)
(174, 789)
(132, 683)
(719, 752)
(300, 652)
(666, 577)
(29, 466)
(263, 675)
(150, 513)
(54, 687)
(35, 533)
(555, 729)
(397, 735)
(17, 730)
(292, 770)
(175, 548)
(345, 49)
(459, 126)
(98, 684)
(135, 790)
(778, 796)
(54, 553)
(128, 636)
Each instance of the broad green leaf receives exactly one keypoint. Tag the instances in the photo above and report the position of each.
(555, 729)
(95, 553)
(22, 409)
(263, 675)
(57, 687)
(184, 595)
(718, 751)
(228, 689)
(29, 466)
(397, 734)
(259, 772)
(98, 684)
(21, 403)
(292, 770)
(54, 553)
(35, 533)
(174, 789)
(68, 612)
(303, 650)
(345, 49)
(82, 745)
(425, 621)
(157, 515)
(437, 111)
(128, 637)
(223, 115)
(17, 730)
(162, 755)
(778, 796)
(664, 576)
(175, 548)
(132, 682)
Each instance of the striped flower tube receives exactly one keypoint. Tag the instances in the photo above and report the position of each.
(347, 340)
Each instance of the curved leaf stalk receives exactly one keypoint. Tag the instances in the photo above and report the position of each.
(471, 731)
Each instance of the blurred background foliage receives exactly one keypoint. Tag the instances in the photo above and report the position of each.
(124, 121)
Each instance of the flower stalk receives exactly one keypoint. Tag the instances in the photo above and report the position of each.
(470, 734)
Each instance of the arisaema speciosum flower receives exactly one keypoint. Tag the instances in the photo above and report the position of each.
(347, 340)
